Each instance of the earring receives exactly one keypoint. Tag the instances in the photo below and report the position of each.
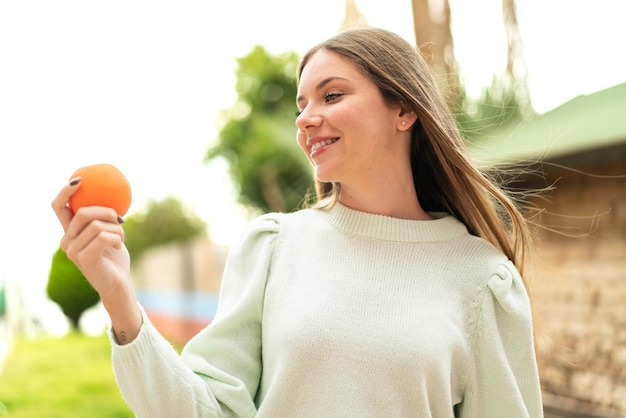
(403, 123)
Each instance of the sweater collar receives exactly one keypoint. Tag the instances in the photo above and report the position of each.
(368, 225)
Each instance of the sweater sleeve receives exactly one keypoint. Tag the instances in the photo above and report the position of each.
(218, 372)
(504, 380)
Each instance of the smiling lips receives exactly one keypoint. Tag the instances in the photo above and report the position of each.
(319, 144)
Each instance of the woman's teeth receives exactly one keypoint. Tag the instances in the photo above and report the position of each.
(320, 144)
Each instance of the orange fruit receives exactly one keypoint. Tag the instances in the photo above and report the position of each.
(101, 185)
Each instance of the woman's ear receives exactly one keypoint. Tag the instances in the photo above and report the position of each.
(406, 118)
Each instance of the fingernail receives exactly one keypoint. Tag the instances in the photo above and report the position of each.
(120, 219)
(75, 181)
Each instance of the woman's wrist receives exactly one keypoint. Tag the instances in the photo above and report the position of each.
(125, 315)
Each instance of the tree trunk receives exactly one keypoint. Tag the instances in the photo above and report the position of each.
(433, 37)
(353, 18)
(516, 73)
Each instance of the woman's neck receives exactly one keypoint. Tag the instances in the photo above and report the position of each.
(394, 201)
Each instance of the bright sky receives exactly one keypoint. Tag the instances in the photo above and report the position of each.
(138, 84)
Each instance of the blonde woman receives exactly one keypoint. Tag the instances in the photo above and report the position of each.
(398, 294)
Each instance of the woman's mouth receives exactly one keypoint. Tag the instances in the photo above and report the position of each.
(323, 143)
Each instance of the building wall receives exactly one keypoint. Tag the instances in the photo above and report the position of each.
(579, 284)
(178, 286)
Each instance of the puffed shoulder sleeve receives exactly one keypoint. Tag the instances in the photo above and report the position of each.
(503, 380)
(227, 353)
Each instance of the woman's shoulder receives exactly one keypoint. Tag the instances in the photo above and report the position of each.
(496, 281)
(482, 264)
(258, 232)
(273, 223)
(274, 220)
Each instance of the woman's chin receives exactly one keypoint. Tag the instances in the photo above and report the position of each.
(323, 178)
(325, 173)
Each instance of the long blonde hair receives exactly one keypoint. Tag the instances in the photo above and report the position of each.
(445, 177)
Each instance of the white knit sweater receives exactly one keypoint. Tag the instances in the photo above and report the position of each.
(348, 314)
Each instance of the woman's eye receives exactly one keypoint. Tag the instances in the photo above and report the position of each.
(329, 97)
(298, 113)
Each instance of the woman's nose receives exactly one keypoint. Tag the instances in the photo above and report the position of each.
(308, 118)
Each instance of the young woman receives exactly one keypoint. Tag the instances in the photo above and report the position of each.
(398, 294)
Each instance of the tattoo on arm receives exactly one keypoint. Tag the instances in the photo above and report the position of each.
(121, 337)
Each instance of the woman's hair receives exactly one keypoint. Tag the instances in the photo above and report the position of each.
(445, 177)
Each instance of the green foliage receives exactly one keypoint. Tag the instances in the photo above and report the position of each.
(67, 377)
(69, 289)
(500, 105)
(3, 299)
(160, 222)
(258, 137)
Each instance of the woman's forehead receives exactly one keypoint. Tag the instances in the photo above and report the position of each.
(325, 63)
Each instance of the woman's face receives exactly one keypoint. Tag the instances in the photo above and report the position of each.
(345, 128)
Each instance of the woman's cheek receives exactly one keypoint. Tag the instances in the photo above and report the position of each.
(301, 138)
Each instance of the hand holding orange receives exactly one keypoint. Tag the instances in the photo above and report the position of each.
(101, 185)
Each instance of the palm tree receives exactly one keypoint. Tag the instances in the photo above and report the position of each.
(433, 36)
(352, 18)
(506, 100)
(516, 72)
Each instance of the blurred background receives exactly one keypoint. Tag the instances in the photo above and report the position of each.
(194, 102)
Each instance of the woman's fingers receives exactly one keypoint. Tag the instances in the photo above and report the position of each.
(59, 204)
(94, 242)
(103, 260)
(87, 224)
(92, 227)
